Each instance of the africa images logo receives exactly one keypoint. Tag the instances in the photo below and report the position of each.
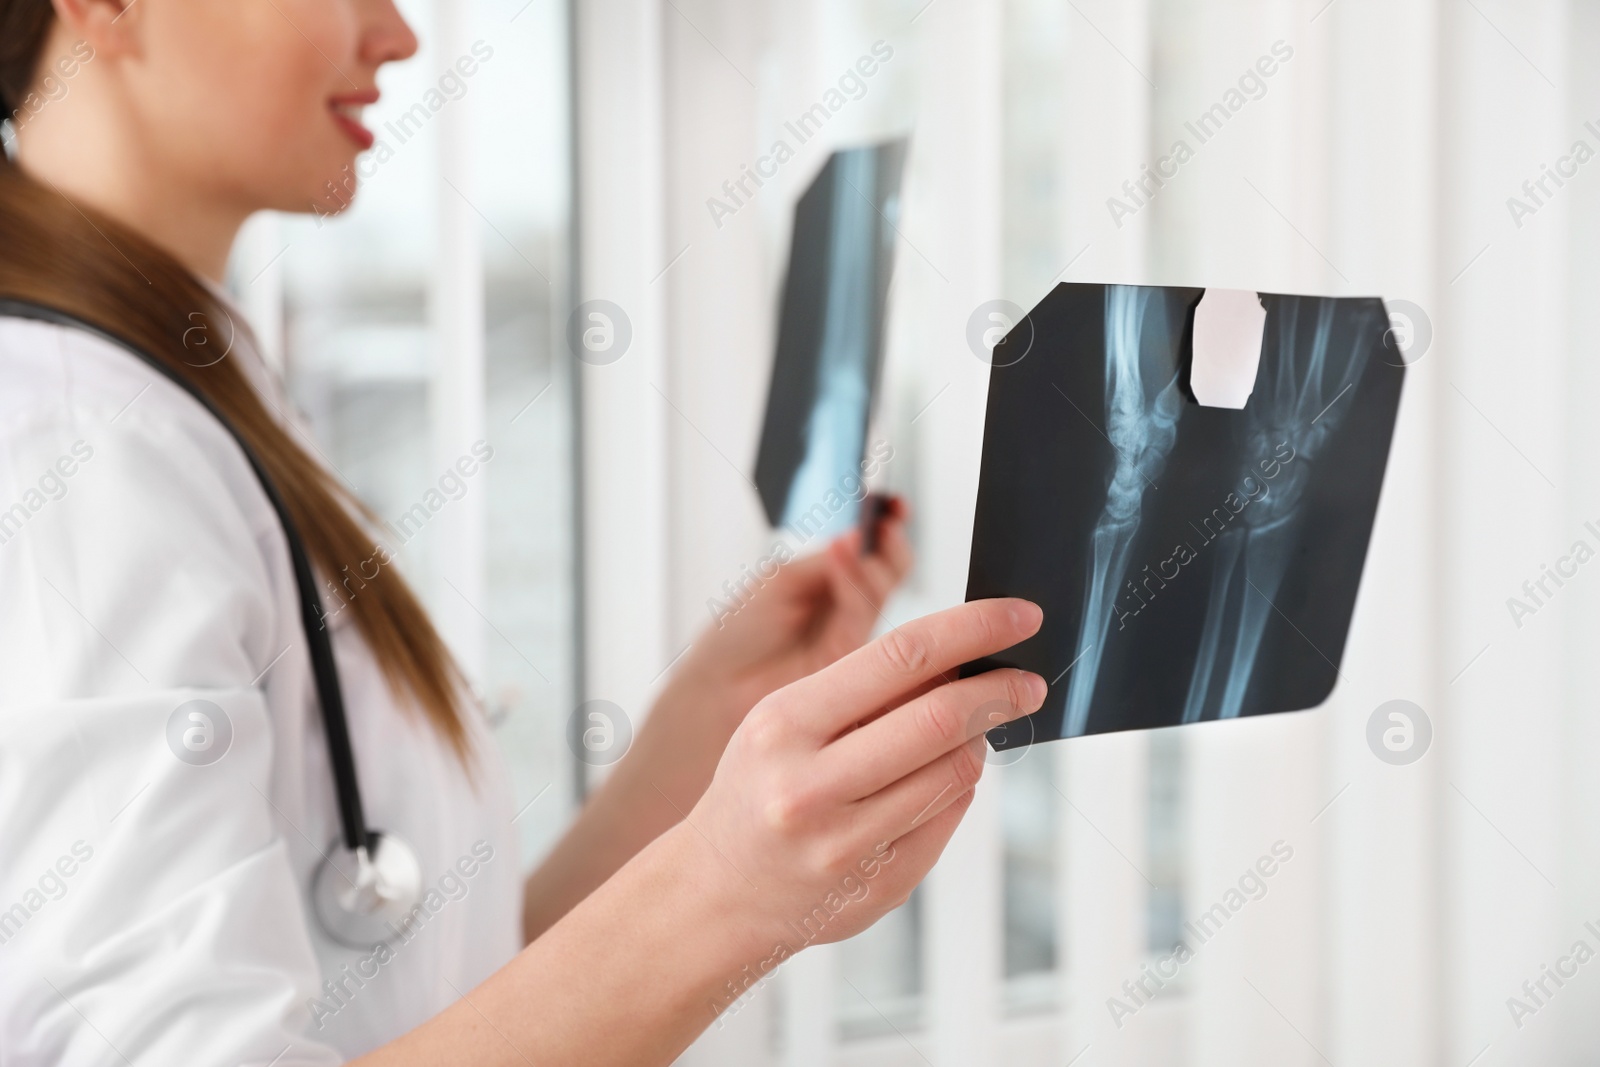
(199, 732)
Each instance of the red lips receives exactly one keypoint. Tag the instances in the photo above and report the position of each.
(344, 108)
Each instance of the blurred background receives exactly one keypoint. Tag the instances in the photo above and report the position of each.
(1438, 153)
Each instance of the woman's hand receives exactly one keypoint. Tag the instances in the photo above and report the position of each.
(803, 618)
(835, 797)
(780, 629)
(838, 792)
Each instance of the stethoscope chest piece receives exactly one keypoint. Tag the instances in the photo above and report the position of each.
(363, 897)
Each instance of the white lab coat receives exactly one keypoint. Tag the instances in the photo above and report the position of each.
(152, 911)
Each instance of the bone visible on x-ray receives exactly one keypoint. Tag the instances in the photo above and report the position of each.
(1296, 403)
(835, 429)
(1143, 403)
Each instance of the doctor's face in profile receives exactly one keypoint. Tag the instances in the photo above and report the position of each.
(257, 102)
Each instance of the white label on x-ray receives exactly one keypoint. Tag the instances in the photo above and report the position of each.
(1227, 347)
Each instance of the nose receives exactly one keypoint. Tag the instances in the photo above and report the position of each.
(385, 35)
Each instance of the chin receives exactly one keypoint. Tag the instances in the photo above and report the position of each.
(325, 207)
(334, 192)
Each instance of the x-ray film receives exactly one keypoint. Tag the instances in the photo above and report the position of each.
(1193, 562)
(830, 342)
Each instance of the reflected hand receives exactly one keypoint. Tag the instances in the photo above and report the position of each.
(809, 614)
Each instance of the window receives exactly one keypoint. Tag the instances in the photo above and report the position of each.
(423, 325)
(1165, 840)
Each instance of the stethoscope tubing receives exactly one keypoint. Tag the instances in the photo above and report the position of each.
(325, 670)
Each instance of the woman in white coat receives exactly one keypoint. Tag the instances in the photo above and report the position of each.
(167, 791)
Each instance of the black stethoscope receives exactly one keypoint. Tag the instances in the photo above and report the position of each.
(369, 880)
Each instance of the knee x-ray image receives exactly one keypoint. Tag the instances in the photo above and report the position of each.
(1193, 562)
(830, 341)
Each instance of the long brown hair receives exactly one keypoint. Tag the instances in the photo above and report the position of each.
(68, 256)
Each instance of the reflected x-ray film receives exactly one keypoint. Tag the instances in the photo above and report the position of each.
(830, 342)
(1193, 562)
